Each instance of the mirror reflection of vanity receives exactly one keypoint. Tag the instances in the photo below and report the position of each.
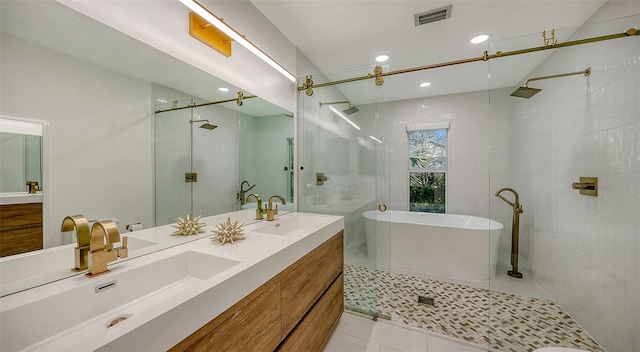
(20, 186)
(108, 154)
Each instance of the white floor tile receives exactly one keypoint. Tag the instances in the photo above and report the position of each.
(437, 344)
(345, 343)
(342, 322)
(525, 286)
(388, 349)
(385, 334)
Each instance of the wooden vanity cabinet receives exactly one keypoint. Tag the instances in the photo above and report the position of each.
(294, 311)
(20, 228)
(312, 333)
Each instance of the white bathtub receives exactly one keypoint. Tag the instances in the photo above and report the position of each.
(454, 248)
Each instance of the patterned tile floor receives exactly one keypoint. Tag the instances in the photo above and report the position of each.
(516, 323)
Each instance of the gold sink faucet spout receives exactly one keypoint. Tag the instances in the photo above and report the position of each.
(271, 213)
(103, 235)
(259, 211)
(80, 224)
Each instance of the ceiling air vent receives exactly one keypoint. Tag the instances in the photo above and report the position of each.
(432, 16)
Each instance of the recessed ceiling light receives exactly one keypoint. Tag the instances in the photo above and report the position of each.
(425, 84)
(382, 58)
(479, 38)
(223, 89)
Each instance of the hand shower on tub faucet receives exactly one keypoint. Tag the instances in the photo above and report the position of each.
(517, 207)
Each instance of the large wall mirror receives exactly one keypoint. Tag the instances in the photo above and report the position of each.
(112, 153)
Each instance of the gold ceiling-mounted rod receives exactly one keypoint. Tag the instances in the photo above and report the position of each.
(237, 100)
(550, 43)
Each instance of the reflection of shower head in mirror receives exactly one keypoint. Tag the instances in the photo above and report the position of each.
(352, 109)
(206, 124)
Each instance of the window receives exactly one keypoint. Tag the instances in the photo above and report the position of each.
(427, 169)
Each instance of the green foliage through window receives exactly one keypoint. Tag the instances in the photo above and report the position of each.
(428, 166)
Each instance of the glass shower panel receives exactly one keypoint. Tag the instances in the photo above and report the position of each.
(172, 162)
(578, 253)
(340, 164)
(215, 159)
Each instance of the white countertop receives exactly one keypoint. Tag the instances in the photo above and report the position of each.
(163, 318)
(20, 198)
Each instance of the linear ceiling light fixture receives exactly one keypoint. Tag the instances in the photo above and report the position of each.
(218, 23)
(344, 117)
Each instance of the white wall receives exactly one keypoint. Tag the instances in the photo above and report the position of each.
(585, 251)
(164, 26)
(100, 128)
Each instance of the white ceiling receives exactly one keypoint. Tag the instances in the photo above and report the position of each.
(342, 38)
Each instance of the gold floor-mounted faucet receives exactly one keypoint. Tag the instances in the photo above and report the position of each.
(80, 224)
(240, 194)
(103, 235)
(515, 229)
(259, 211)
(271, 213)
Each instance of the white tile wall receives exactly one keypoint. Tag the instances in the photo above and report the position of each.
(582, 250)
(214, 159)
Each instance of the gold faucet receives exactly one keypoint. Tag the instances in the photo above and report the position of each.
(271, 213)
(80, 224)
(242, 191)
(259, 211)
(33, 186)
(101, 252)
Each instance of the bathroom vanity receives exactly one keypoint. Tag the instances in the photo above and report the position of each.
(20, 223)
(298, 307)
(280, 289)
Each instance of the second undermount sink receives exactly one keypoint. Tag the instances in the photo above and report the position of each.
(23, 326)
(294, 223)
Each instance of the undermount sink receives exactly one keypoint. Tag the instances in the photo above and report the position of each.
(38, 267)
(294, 223)
(23, 326)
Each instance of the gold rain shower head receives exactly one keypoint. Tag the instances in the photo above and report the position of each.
(527, 92)
(206, 124)
(352, 109)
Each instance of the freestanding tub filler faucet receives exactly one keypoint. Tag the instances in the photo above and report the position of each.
(515, 229)
(242, 191)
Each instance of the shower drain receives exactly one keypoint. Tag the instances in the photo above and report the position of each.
(426, 300)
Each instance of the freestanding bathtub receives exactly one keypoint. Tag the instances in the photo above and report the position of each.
(437, 246)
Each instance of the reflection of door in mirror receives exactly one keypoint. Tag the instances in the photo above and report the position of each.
(20, 186)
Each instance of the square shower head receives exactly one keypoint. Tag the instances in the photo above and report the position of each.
(525, 92)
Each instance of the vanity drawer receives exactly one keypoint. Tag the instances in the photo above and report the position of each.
(314, 330)
(253, 324)
(20, 228)
(305, 281)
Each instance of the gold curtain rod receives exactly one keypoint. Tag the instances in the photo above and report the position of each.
(485, 57)
(206, 104)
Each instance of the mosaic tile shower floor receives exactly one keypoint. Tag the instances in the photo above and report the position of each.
(517, 323)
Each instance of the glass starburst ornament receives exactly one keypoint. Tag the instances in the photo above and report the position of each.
(228, 232)
(188, 226)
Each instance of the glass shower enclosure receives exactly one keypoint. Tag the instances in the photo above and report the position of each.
(578, 253)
